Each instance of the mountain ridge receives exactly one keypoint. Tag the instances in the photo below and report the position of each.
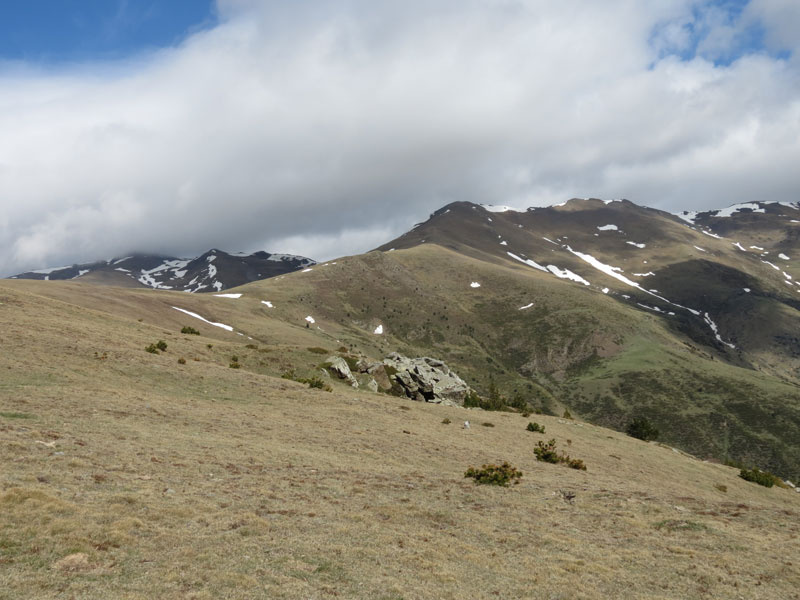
(212, 271)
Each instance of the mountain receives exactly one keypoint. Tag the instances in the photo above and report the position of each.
(213, 271)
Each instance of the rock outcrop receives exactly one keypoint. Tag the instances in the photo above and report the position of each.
(340, 368)
(426, 379)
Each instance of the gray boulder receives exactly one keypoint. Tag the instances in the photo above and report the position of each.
(340, 368)
(427, 379)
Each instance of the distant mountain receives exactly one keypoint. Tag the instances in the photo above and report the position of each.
(212, 271)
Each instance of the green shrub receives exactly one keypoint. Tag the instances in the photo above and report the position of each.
(235, 365)
(317, 350)
(535, 427)
(252, 346)
(190, 330)
(234, 358)
(495, 474)
(760, 477)
(487, 424)
(161, 345)
(567, 414)
(181, 361)
(642, 429)
(446, 421)
(151, 349)
(546, 452)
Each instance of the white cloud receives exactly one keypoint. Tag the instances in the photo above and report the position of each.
(330, 127)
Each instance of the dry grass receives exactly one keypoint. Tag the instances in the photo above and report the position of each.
(133, 477)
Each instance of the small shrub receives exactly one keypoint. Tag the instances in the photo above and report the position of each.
(288, 375)
(446, 421)
(315, 383)
(546, 452)
(500, 475)
(209, 346)
(721, 487)
(642, 429)
(760, 477)
(535, 427)
(161, 345)
(151, 349)
(526, 414)
(567, 414)
(189, 330)
(343, 349)
(234, 358)
(181, 361)
(235, 365)
(487, 424)
(317, 350)
(251, 347)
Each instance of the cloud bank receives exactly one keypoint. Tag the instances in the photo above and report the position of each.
(327, 127)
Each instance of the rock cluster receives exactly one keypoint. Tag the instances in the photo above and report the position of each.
(427, 379)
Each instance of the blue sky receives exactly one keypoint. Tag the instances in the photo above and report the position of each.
(59, 31)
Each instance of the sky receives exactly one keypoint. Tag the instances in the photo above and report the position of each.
(328, 127)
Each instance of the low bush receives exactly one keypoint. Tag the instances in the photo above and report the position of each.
(446, 421)
(567, 414)
(181, 361)
(760, 477)
(190, 330)
(535, 427)
(235, 365)
(317, 350)
(487, 424)
(161, 345)
(642, 429)
(546, 452)
(492, 474)
(152, 349)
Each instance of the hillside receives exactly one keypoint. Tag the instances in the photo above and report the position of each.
(212, 271)
(129, 475)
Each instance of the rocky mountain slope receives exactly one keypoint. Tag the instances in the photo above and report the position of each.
(212, 271)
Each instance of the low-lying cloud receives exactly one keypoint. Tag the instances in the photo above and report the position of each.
(330, 127)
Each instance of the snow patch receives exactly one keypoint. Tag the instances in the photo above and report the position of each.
(123, 270)
(608, 228)
(648, 274)
(378, 330)
(497, 209)
(474, 284)
(310, 319)
(701, 249)
(566, 274)
(528, 262)
(783, 256)
(740, 247)
(746, 290)
(688, 215)
(268, 303)
(526, 306)
(757, 248)
(637, 245)
(306, 270)
(227, 295)
(714, 235)
(196, 316)
(605, 290)
(731, 210)
(504, 243)
(714, 328)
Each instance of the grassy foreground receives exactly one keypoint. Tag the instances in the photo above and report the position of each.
(128, 475)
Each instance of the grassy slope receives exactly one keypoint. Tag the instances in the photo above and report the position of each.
(201, 481)
(574, 347)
